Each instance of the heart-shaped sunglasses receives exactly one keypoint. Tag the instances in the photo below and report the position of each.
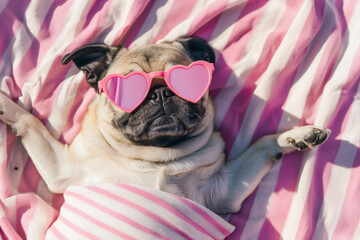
(128, 92)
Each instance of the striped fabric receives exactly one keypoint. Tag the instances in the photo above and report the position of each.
(280, 63)
(113, 211)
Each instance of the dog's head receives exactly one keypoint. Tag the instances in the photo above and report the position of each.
(163, 118)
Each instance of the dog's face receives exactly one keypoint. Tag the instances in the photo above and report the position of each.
(163, 118)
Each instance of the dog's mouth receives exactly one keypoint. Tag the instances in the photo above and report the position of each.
(161, 123)
(164, 131)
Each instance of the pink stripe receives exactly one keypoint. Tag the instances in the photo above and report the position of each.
(57, 201)
(6, 189)
(50, 88)
(77, 112)
(273, 111)
(137, 24)
(350, 215)
(326, 66)
(30, 177)
(93, 26)
(283, 195)
(205, 22)
(234, 118)
(10, 138)
(290, 168)
(54, 21)
(142, 210)
(173, 18)
(205, 215)
(138, 10)
(77, 229)
(235, 47)
(13, 15)
(7, 231)
(205, 31)
(163, 204)
(113, 213)
(56, 232)
(326, 155)
(241, 101)
(97, 222)
(26, 207)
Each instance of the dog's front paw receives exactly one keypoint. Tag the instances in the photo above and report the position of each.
(302, 138)
(11, 113)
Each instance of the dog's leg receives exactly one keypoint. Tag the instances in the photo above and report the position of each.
(244, 173)
(49, 155)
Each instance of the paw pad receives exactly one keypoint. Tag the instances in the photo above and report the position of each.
(315, 137)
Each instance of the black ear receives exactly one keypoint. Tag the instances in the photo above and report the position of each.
(94, 59)
(198, 49)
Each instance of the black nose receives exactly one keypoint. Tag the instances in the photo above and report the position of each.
(160, 94)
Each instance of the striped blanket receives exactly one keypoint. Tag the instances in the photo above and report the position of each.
(280, 63)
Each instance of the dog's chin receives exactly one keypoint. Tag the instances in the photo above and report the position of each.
(160, 137)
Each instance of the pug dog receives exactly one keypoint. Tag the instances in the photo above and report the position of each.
(166, 142)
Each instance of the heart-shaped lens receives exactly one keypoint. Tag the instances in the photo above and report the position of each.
(127, 92)
(191, 84)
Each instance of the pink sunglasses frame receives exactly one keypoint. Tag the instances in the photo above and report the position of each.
(102, 84)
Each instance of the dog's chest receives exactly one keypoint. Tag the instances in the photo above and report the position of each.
(126, 171)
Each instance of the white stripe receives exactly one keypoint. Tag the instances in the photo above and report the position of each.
(155, 208)
(32, 87)
(120, 208)
(256, 106)
(268, 79)
(153, 23)
(225, 26)
(50, 235)
(63, 104)
(200, 220)
(24, 36)
(297, 205)
(65, 230)
(84, 223)
(331, 93)
(68, 89)
(326, 109)
(357, 232)
(340, 175)
(3, 150)
(11, 213)
(3, 4)
(2, 213)
(263, 197)
(40, 221)
(295, 103)
(104, 217)
(193, 215)
(116, 21)
(69, 30)
(182, 29)
(254, 48)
